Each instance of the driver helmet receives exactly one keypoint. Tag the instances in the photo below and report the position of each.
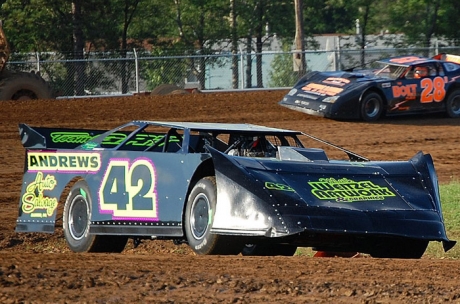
(420, 72)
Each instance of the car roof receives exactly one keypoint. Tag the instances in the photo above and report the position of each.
(219, 127)
(407, 60)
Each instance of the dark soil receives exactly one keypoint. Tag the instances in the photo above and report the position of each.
(38, 268)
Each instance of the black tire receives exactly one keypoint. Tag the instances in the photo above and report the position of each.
(371, 107)
(76, 222)
(179, 92)
(453, 104)
(400, 249)
(25, 86)
(268, 250)
(199, 216)
(165, 89)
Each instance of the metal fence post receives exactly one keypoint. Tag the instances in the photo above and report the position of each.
(37, 55)
(242, 68)
(136, 63)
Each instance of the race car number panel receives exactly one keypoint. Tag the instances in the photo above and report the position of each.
(433, 90)
(128, 190)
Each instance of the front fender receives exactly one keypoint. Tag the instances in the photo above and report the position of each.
(244, 205)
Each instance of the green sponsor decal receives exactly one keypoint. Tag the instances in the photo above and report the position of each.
(89, 146)
(71, 137)
(277, 186)
(147, 140)
(35, 202)
(347, 190)
(114, 139)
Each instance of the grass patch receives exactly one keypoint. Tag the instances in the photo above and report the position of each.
(450, 203)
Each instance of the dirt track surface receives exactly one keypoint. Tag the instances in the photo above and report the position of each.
(38, 268)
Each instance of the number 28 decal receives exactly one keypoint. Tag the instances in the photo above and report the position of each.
(433, 90)
(128, 190)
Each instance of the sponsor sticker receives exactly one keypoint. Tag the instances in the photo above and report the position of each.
(278, 186)
(63, 161)
(408, 91)
(338, 81)
(34, 202)
(321, 89)
(347, 190)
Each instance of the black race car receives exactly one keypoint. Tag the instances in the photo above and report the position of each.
(224, 189)
(400, 85)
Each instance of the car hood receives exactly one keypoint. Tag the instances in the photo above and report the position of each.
(327, 84)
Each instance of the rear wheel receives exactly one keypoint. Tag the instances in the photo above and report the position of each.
(199, 216)
(76, 223)
(453, 104)
(268, 250)
(400, 249)
(371, 107)
(25, 86)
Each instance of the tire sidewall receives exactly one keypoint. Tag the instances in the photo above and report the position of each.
(203, 189)
(455, 94)
(78, 194)
(365, 100)
(15, 82)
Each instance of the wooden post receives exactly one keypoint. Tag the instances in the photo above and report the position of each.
(299, 38)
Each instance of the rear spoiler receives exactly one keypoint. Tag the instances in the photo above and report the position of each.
(55, 138)
(447, 57)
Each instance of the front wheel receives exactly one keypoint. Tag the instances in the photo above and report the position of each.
(199, 216)
(453, 104)
(76, 223)
(371, 107)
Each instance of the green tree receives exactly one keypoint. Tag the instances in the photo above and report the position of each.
(417, 19)
(282, 73)
(449, 21)
(200, 24)
(329, 16)
(261, 20)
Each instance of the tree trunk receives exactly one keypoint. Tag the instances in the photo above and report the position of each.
(299, 37)
(363, 34)
(235, 71)
(79, 45)
(249, 61)
(259, 43)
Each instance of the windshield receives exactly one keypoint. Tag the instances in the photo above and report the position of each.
(390, 71)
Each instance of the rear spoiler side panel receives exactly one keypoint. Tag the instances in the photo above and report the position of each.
(447, 57)
(55, 138)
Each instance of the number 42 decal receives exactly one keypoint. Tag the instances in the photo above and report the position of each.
(128, 190)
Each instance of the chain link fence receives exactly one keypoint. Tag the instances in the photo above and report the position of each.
(135, 72)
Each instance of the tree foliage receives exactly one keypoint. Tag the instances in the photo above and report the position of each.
(49, 25)
(201, 27)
